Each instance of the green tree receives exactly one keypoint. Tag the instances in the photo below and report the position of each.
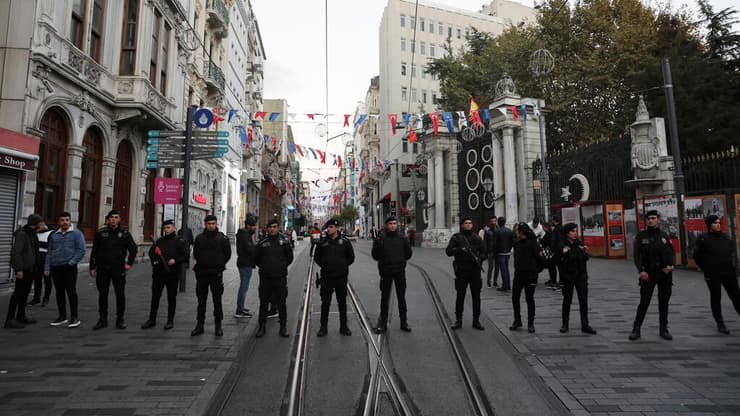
(348, 216)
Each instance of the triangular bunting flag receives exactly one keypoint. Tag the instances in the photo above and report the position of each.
(274, 116)
(346, 120)
(259, 114)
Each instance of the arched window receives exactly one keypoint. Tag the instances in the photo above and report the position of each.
(92, 161)
(149, 206)
(122, 183)
(51, 174)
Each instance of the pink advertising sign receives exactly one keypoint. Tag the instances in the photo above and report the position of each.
(167, 190)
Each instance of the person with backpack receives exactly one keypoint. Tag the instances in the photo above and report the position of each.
(573, 258)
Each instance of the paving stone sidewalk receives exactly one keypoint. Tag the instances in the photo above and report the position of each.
(74, 372)
(698, 373)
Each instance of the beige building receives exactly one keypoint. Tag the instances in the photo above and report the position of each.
(408, 41)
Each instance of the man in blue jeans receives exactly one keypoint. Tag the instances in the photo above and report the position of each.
(504, 241)
(246, 238)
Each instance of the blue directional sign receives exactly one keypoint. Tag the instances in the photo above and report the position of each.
(181, 133)
(151, 165)
(152, 156)
(153, 141)
(152, 148)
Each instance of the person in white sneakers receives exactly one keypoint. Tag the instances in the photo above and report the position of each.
(66, 250)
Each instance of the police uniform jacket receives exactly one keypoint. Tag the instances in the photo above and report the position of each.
(653, 251)
(391, 250)
(573, 261)
(172, 247)
(334, 255)
(211, 250)
(273, 255)
(110, 246)
(714, 255)
(245, 247)
(464, 245)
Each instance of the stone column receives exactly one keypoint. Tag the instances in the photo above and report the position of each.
(106, 197)
(498, 176)
(439, 196)
(74, 171)
(430, 191)
(523, 180)
(510, 191)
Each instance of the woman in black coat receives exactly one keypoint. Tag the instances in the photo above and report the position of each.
(527, 261)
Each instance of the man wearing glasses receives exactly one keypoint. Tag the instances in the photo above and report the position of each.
(654, 258)
(211, 250)
(714, 256)
(273, 255)
(391, 250)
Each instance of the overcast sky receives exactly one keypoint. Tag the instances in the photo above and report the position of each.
(293, 34)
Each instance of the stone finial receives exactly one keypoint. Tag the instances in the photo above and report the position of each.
(642, 113)
(505, 86)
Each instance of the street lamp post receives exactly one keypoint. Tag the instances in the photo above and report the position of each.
(545, 175)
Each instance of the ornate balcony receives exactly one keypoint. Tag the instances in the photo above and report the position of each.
(133, 92)
(218, 17)
(214, 76)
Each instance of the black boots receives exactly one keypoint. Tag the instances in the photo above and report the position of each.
(457, 324)
(261, 331)
(635, 335)
(219, 332)
(564, 328)
(344, 330)
(322, 331)
(405, 326)
(515, 325)
(283, 331)
(722, 328)
(198, 330)
(530, 327)
(169, 325)
(150, 323)
(477, 325)
(120, 323)
(381, 327)
(664, 333)
(102, 323)
(588, 330)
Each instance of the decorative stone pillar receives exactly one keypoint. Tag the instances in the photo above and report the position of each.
(510, 180)
(523, 180)
(74, 173)
(431, 192)
(498, 176)
(439, 196)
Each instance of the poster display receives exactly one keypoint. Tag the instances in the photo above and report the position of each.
(667, 207)
(571, 214)
(696, 208)
(615, 232)
(593, 231)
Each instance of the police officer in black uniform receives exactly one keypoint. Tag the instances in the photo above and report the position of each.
(574, 275)
(391, 250)
(167, 256)
(211, 251)
(334, 253)
(654, 258)
(113, 253)
(469, 251)
(714, 255)
(273, 255)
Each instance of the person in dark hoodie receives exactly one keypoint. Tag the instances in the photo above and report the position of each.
(273, 255)
(469, 251)
(246, 240)
(573, 257)
(26, 261)
(391, 250)
(211, 251)
(714, 256)
(167, 256)
(527, 258)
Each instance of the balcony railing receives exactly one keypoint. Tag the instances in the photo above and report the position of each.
(218, 16)
(214, 75)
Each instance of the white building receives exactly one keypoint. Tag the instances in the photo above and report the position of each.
(407, 43)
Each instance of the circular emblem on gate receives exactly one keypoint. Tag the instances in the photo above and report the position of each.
(472, 179)
(486, 154)
(488, 200)
(471, 157)
(473, 201)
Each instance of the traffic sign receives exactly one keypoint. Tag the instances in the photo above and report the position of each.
(152, 148)
(181, 133)
(165, 164)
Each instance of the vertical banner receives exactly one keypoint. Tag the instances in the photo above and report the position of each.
(668, 208)
(593, 232)
(696, 208)
(615, 233)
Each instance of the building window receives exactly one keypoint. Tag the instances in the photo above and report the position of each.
(449, 31)
(77, 29)
(459, 32)
(423, 48)
(413, 70)
(413, 22)
(431, 50)
(440, 28)
(431, 26)
(155, 48)
(403, 20)
(128, 43)
(413, 95)
(403, 68)
(404, 93)
(96, 31)
(92, 163)
(405, 145)
(50, 176)
(421, 24)
(434, 98)
(424, 96)
(416, 147)
(165, 61)
(403, 44)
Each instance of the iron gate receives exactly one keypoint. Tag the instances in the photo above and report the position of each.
(475, 168)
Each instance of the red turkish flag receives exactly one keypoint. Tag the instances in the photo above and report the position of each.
(260, 114)
(435, 122)
(513, 110)
(476, 117)
(310, 116)
(393, 118)
(412, 136)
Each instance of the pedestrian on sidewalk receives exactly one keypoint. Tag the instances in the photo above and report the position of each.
(654, 258)
(167, 255)
(391, 250)
(66, 250)
(504, 241)
(489, 238)
(113, 254)
(714, 256)
(187, 236)
(42, 281)
(574, 256)
(556, 242)
(527, 258)
(334, 254)
(469, 251)
(554, 250)
(211, 250)
(246, 241)
(273, 255)
(25, 260)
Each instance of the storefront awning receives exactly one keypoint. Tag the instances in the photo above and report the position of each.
(18, 151)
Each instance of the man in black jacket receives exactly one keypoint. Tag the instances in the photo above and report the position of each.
(26, 261)
(167, 256)
(504, 241)
(246, 239)
(654, 258)
(211, 251)
(273, 255)
(714, 255)
(469, 250)
(334, 254)
(557, 237)
(391, 250)
(489, 238)
(113, 253)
